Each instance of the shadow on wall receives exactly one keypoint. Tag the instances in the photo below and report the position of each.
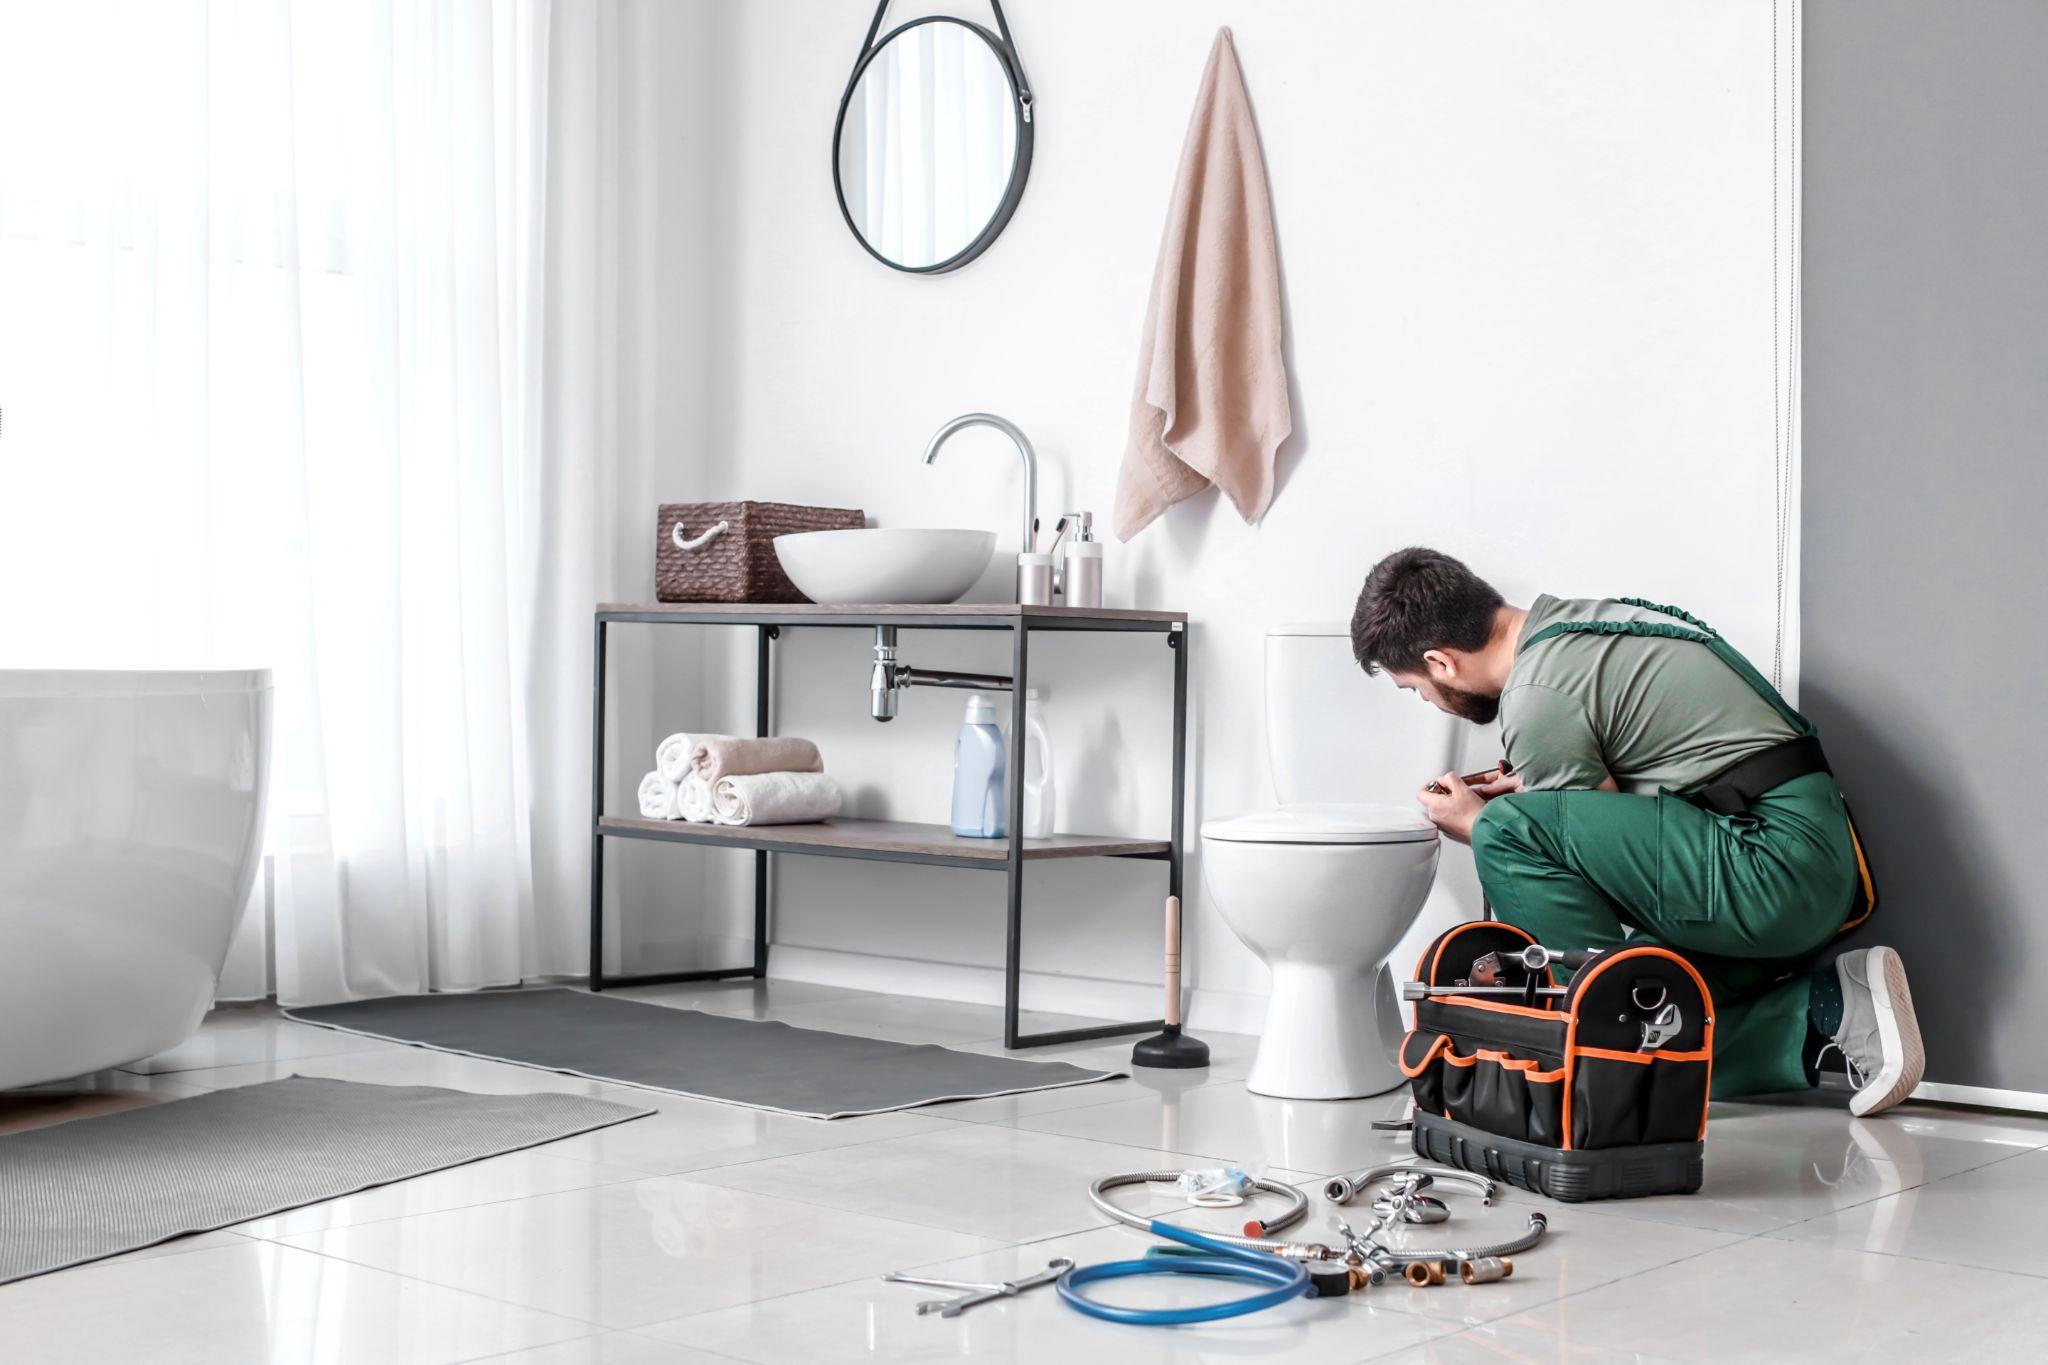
(1296, 445)
(1095, 793)
(1938, 894)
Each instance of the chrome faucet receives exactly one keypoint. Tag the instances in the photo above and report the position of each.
(1023, 444)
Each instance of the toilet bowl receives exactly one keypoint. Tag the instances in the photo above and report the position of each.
(1322, 893)
(1323, 885)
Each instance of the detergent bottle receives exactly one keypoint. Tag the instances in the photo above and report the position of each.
(1040, 794)
(978, 773)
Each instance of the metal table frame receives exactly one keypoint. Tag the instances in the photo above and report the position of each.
(768, 623)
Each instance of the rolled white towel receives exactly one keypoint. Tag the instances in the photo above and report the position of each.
(658, 798)
(774, 799)
(693, 800)
(673, 755)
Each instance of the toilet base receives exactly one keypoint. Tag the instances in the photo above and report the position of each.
(1330, 1034)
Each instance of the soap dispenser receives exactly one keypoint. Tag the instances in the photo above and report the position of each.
(978, 772)
(1080, 573)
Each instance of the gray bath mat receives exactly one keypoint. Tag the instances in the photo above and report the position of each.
(762, 1065)
(79, 1191)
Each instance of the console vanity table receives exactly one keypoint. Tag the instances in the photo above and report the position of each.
(890, 840)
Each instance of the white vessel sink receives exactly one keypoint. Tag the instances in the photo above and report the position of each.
(887, 564)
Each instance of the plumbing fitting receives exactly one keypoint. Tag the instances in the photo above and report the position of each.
(888, 677)
(1469, 1270)
(1405, 1206)
(1485, 1269)
(1423, 1274)
(1364, 1253)
(1369, 1251)
(1344, 1188)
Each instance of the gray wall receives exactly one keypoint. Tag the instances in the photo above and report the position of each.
(1925, 558)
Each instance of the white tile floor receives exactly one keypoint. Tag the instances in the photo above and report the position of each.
(713, 1233)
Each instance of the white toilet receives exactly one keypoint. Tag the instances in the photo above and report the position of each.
(1325, 886)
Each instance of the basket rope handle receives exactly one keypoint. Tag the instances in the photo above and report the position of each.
(697, 542)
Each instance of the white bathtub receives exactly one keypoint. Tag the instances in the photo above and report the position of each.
(131, 826)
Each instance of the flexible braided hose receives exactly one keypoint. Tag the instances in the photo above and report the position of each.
(1296, 1211)
(1344, 1188)
(1538, 1225)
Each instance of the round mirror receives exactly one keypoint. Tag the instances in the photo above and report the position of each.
(933, 144)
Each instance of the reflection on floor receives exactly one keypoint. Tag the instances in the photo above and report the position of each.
(710, 1233)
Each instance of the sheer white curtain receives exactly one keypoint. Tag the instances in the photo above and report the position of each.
(273, 286)
(929, 144)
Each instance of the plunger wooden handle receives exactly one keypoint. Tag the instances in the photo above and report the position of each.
(1173, 962)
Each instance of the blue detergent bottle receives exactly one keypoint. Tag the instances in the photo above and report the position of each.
(978, 773)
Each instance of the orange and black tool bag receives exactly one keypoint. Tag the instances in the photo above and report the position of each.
(1561, 1093)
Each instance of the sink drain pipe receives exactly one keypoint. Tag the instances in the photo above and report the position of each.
(888, 677)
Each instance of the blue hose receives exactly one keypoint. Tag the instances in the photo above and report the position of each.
(1288, 1278)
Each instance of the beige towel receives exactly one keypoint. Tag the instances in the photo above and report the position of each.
(673, 756)
(1211, 403)
(774, 799)
(721, 756)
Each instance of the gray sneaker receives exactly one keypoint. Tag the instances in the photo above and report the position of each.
(1879, 1037)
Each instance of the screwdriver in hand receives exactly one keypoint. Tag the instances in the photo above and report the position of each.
(1504, 769)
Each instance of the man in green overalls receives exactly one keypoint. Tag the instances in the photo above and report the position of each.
(1656, 789)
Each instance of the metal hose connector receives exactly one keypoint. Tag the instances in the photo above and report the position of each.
(1297, 1210)
(1485, 1270)
(1344, 1188)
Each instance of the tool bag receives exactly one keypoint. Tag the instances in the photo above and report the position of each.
(1556, 1093)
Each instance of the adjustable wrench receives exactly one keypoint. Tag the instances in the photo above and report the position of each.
(952, 1308)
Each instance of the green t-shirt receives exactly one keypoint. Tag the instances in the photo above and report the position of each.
(1653, 712)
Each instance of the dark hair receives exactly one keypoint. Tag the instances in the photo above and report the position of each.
(1416, 600)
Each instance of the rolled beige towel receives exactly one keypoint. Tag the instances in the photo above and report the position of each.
(774, 798)
(727, 756)
(658, 798)
(673, 756)
(693, 800)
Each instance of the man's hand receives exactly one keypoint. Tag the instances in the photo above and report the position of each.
(1452, 806)
(1497, 784)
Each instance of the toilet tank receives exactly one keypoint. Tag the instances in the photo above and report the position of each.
(1335, 734)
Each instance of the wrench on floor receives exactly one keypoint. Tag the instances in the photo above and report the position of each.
(952, 1308)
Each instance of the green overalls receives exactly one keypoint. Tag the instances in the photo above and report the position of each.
(1748, 898)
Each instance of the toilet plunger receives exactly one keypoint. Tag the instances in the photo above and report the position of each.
(1171, 1048)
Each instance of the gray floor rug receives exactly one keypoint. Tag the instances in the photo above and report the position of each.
(91, 1188)
(760, 1064)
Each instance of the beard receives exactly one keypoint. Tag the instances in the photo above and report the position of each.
(1476, 707)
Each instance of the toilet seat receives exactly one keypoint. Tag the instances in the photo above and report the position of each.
(1325, 822)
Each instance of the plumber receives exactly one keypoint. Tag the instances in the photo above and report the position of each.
(1657, 789)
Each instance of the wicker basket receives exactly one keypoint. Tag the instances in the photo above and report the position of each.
(725, 551)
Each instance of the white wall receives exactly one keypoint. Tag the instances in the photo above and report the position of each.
(1528, 255)
(635, 243)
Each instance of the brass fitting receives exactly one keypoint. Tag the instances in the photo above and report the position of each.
(1423, 1274)
(1485, 1270)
